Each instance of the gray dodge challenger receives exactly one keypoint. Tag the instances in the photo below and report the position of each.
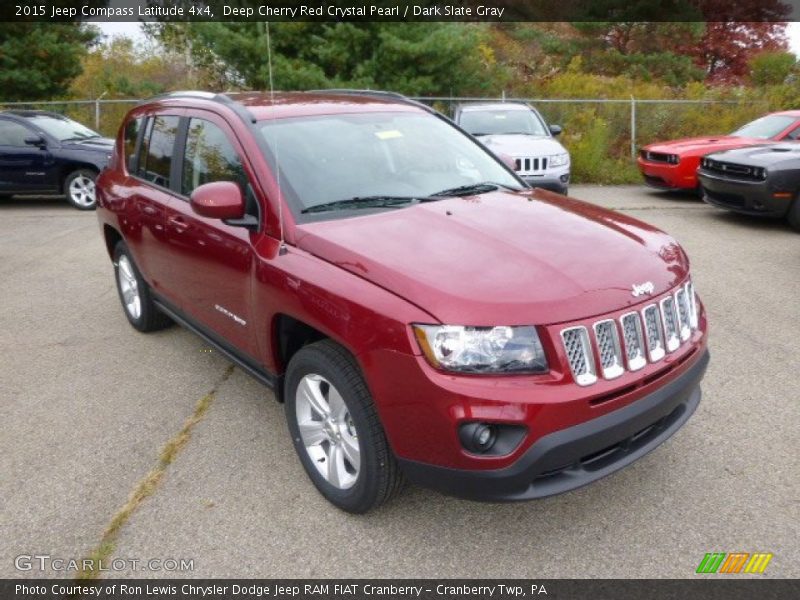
(759, 180)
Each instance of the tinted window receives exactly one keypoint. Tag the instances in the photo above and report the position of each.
(131, 135)
(209, 157)
(155, 158)
(13, 134)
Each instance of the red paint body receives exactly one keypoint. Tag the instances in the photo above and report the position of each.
(497, 259)
(683, 176)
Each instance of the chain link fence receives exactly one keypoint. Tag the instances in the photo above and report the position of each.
(603, 136)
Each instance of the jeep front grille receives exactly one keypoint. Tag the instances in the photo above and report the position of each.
(632, 340)
(579, 354)
(530, 164)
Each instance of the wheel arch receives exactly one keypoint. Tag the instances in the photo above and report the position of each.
(111, 237)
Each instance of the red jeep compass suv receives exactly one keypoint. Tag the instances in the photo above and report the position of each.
(420, 311)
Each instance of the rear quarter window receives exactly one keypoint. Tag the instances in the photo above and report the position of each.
(131, 136)
(158, 144)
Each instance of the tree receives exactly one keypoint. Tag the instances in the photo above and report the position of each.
(38, 60)
(413, 58)
(771, 68)
(726, 48)
(122, 69)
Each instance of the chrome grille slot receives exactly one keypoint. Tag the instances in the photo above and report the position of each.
(692, 300)
(579, 355)
(634, 341)
(608, 348)
(655, 338)
(670, 320)
(531, 164)
(681, 302)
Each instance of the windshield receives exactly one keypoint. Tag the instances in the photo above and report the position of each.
(500, 121)
(62, 129)
(339, 157)
(765, 127)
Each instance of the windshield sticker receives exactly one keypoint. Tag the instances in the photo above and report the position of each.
(388, 135)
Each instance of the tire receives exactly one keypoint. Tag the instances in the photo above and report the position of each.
(793, 216)
(134, 293)
(79, 189)
(316, 372)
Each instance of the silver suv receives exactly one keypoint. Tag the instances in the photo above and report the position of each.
(516, 131)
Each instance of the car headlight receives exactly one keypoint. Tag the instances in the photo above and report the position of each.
(559, 160)
(491, 350)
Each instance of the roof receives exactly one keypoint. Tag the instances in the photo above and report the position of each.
(264, 105)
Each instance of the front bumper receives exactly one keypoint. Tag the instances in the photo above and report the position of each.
(746, 197)
(668, 176)
(555, 182)
(578, 455)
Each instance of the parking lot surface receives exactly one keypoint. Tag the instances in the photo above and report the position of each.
(87, 404)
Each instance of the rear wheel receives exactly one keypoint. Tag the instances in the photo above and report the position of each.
(336, 430)
(134, 293)
(793, 216)
(80, 190)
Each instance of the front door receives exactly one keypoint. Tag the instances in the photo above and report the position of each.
(23, 167)
(213, 262)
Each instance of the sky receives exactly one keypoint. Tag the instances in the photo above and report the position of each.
(134, 30)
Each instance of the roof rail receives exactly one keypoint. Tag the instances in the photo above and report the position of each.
(237, 107)
(373, 94)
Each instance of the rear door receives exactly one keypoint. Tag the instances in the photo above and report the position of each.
(213, 263)
(23, 167)
(151, 176)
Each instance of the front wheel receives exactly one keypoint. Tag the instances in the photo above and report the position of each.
(336, 431)
(79, 189)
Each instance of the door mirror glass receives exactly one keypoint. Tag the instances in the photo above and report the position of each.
(35, 140)
(556, 129)
(218, 200)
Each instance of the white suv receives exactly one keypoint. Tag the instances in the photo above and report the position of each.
(516, 131)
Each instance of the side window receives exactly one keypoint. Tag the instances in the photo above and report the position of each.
(131, 135)
(13, 134)
(210, 157)
(794, 135)
(155, 158)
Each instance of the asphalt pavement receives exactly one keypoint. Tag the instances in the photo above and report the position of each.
(87, 404)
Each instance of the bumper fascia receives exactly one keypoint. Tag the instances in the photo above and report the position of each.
(668, 176)
(750, 198)
(553, 464)
(558, 182)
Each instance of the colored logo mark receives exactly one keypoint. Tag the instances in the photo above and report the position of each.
(734, 562)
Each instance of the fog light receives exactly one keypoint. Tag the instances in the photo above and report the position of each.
(478, 438)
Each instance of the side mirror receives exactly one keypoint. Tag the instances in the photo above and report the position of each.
(35, 140)
(218, 200)
(509, 161)
(556, 129)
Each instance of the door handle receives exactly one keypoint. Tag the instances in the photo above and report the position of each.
(179, 224)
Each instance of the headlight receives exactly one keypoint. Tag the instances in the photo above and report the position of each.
(673, 159)
(559, 160)
(500, 349)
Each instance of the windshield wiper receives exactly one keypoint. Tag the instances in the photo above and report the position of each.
(80, 138)
(473, 189)
(366, 202)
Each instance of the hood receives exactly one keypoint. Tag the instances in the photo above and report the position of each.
(105, 145)
(519, 144)
(701, 146)
(502, 258)
(764, 155)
